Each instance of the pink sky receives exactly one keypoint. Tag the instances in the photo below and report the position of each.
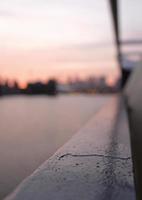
(56, 62)
(56, 38)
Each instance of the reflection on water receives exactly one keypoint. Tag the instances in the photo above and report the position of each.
(33, 128)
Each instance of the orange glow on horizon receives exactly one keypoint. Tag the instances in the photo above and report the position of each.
(111, 81)
(23, 85)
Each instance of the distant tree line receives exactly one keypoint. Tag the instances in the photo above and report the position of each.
(49, 88)
(89, 85)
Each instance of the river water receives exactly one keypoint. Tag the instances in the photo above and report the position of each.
(32, 128)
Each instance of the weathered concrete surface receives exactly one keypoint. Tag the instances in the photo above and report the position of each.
(95, 164)
(133, 95)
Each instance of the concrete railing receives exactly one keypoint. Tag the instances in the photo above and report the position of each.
(133, 96)
(95, 164)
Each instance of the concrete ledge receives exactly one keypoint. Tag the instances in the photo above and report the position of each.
(95, 164)
(133, 96)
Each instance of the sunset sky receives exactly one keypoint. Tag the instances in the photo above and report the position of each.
(41, 39)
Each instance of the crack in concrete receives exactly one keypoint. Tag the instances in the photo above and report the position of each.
(94, 155)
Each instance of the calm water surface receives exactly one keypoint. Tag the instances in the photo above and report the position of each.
(32, 128)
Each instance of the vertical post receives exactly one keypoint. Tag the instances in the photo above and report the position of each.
(115, 16)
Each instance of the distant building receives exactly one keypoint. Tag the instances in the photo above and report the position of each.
(51, 87)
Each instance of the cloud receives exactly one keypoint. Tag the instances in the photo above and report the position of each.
(7, 13)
